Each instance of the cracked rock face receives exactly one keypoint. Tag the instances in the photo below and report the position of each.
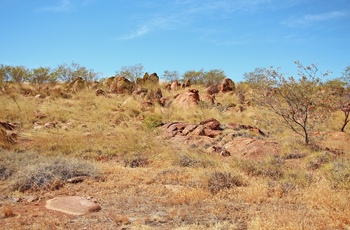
(73, 205)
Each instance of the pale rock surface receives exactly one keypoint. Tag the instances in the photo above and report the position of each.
(74, 205)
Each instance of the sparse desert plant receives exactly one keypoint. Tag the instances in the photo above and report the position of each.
(294, 155)
(137, 161)
(5, 171)
(153, 121)
(279, 189)
(188, 161)
(299, 104)
(318, 160)
(251, 168)
(340, 97)
(173, 176)
(338, 172)
(31, 171)
(242, 91)
(223, 180)
(272, 168)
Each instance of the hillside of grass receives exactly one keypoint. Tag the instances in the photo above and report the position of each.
(146, 180)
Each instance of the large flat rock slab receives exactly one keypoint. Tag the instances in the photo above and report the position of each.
(74, 205)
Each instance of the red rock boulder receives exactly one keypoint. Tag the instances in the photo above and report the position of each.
(121, 85)
(227, 85)
(187, 99)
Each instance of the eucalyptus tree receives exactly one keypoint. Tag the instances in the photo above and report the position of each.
(43, 75)
(299, 103)
(171, 76)
(67, 73)
(131, 72)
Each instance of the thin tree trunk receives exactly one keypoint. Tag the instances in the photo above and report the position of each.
(307, 140)
(346, 121)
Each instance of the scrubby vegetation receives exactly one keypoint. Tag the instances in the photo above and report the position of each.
(148, 178)
(28, 171)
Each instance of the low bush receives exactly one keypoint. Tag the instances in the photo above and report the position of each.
(317, 161)
(273, 169)
(222, 180)
(136, 162)
(153, 121)
(338, 172)
(28, 171)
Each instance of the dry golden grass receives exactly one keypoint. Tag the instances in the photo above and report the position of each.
(148, 182)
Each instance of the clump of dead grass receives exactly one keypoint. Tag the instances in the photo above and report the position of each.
(338, 172)
(137, 161)
(29, 171)
(317, 160)
(263, 169)
(188, 161)
(223, 180)
(5, 171)
(194, 159)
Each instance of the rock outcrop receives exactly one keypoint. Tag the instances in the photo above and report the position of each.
(227, 85)
(242, 141)
(121, 85)
(187, 99)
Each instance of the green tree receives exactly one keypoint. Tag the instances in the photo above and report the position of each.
(255, 78)
(241, 91)
(43, 75)
(171, 76)
(346, 75)
(299, 104)
(4, 74)
(344, 106)
(131, 72)
(214, 76)
(92, 76)
(340, 98)
(193, 76)
(19, 74)
(67, 73)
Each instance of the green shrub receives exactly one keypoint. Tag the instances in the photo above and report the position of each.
(153, 121)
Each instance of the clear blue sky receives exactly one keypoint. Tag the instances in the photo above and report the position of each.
(233, 35)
